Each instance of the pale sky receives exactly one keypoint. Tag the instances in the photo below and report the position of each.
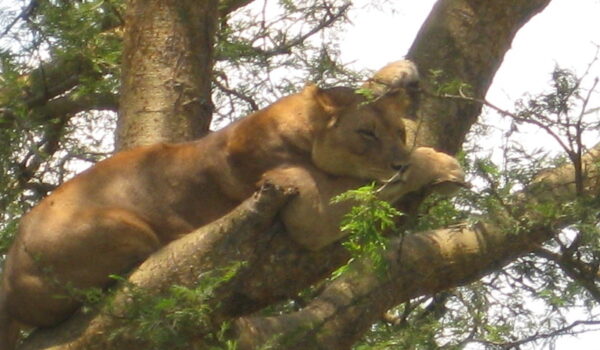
(564, 33)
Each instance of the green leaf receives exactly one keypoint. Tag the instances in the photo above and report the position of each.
(366, 224)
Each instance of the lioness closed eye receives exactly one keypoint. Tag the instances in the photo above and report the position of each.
(112, 216)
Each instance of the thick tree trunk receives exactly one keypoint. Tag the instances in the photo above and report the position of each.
(167, 71)
(464, 40)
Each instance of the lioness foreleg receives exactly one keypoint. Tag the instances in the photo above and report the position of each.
(310, 218)
(313, 221)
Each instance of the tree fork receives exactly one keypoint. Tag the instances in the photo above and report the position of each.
(444, 124)
(283, 268)
(421, 263)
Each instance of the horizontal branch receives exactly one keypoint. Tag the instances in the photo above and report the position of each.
(420, 264)
(45, 83)
(54, 78)
(74, 103)
(286, 47)
(228, 6)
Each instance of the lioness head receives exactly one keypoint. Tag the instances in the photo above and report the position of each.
(364, 139)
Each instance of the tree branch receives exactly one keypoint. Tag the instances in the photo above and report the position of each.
(228, 6)
(462, 39)
(25, 13)
(74, 103)
(285, 48)
(575, 269)
(420, 264)
(45, 83)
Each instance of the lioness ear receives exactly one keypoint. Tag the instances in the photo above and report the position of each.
(332, 100)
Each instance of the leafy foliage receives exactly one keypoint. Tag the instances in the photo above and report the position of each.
(59, 53)
(366, 224)
(268, 50)
(169, 320)
(540, 297)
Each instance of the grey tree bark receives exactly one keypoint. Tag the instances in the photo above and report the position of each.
(166, 71)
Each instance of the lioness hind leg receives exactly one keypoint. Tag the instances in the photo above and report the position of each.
(48, 276)
(310, 218)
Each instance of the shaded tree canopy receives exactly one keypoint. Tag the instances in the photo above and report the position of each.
(504, 265)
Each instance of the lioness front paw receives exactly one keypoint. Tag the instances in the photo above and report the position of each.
(445, 173)
(427, 167)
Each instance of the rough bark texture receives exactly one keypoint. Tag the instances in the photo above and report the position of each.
(167, 67)
(467, 41)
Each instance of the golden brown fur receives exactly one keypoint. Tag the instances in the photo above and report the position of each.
(112, 216)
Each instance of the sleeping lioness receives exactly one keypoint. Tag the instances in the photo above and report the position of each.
(112, 216)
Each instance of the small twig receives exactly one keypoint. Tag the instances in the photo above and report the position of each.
(285, 48)
(576, 270)
(506, 113)
(23, 15)
(247, 99)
